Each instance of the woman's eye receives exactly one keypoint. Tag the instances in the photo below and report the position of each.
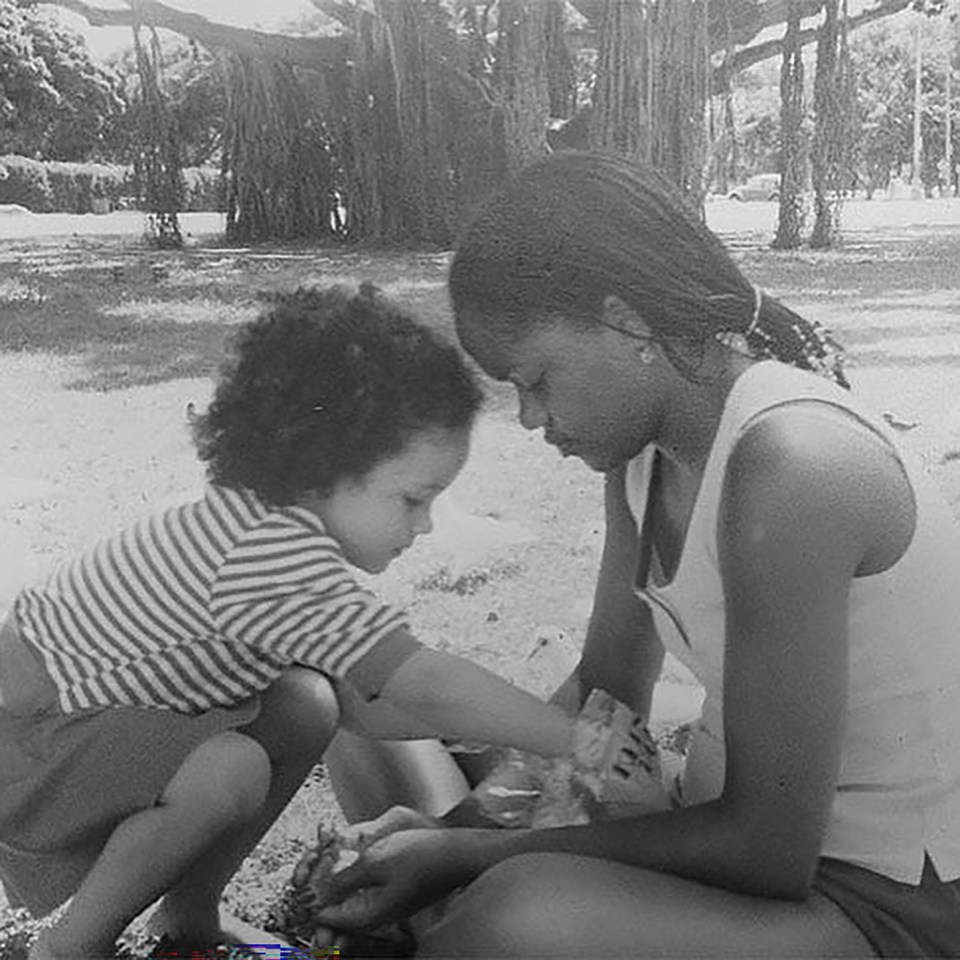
(414, 503)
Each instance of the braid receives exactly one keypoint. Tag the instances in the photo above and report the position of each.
(776, 332)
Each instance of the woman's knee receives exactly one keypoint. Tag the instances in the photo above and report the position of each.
(505, 912)
(298, 716)
(226, 778)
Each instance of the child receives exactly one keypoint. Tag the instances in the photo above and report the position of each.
(165, 694)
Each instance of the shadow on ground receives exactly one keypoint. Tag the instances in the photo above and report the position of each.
(131, 316)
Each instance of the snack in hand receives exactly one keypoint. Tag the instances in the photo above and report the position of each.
(614, 769)
(309, 892)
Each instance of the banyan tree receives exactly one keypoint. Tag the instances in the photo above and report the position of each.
(392, 120)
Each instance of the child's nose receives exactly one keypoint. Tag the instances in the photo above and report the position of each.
(533, 414)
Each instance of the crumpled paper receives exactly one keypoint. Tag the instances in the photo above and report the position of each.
(613, 770)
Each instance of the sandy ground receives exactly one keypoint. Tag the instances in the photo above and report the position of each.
(76, 464)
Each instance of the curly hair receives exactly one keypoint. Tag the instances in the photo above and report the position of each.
(325, 385)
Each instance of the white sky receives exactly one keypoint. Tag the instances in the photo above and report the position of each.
(265, 14)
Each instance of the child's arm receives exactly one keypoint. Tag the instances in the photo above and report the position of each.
(462, 700)
(377, 718)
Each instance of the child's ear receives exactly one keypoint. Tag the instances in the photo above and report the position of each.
(617, 313)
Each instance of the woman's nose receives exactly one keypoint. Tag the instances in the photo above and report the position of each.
(533, 414)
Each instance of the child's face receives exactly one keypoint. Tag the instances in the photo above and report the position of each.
(377, 516)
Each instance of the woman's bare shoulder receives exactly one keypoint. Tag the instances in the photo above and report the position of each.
(818, 467)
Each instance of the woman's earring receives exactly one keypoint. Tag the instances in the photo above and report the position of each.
(647, 354)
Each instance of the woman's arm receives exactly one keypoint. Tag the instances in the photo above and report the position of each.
(806, 505)
(622, 653)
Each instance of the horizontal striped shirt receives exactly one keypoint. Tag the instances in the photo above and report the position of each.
(201, 606)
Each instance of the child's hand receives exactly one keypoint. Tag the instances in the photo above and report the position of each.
(313, 882)
(394, 878)
(359, 836)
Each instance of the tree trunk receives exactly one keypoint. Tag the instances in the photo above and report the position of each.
(650, 94)
(681, 86)
(915, 178)
(276, 161)
(792, 153)
(520, 77)
(372, 153)
(158, 163)
(621, 120)
(948, 117)
(831, 136)
(561, 73)
(406, 106)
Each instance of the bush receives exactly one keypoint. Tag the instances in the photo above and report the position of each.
(56, 187)
(26, 183)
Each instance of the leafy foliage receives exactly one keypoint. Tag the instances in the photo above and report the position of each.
(881, 71)
(884, 70)
(885, 65)
(194, 86)
(55, 100)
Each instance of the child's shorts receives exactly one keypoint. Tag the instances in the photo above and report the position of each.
(67, 780)
(898, 919)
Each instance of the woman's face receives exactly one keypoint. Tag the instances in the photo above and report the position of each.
(588, 390)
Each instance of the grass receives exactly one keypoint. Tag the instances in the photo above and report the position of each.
(122, 326)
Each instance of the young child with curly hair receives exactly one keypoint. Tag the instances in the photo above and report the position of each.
(166, 693)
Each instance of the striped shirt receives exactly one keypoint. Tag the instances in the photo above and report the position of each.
(201, 606)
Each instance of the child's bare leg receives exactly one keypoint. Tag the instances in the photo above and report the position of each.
(297, 720)
(223, 783)
(370, 776)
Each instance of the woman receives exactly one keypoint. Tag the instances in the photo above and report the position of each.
(767, 530)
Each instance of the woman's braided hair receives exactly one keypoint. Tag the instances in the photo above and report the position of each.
(324, 385)
(575, 228)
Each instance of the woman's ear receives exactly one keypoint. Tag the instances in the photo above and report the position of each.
(616, 313)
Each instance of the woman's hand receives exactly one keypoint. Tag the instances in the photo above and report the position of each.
(397, 876)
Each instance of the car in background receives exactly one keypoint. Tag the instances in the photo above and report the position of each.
(761, 186)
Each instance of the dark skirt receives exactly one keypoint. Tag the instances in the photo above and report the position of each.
(68, 780)
(899, 920)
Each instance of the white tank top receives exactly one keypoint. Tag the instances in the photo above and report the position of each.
(898, 792)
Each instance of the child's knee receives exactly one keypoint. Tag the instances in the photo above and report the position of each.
(299, 715)
(226, 778)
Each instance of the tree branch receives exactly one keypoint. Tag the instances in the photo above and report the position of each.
(746, 18)
(314, 53)
(750, 56)
(342, 13)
